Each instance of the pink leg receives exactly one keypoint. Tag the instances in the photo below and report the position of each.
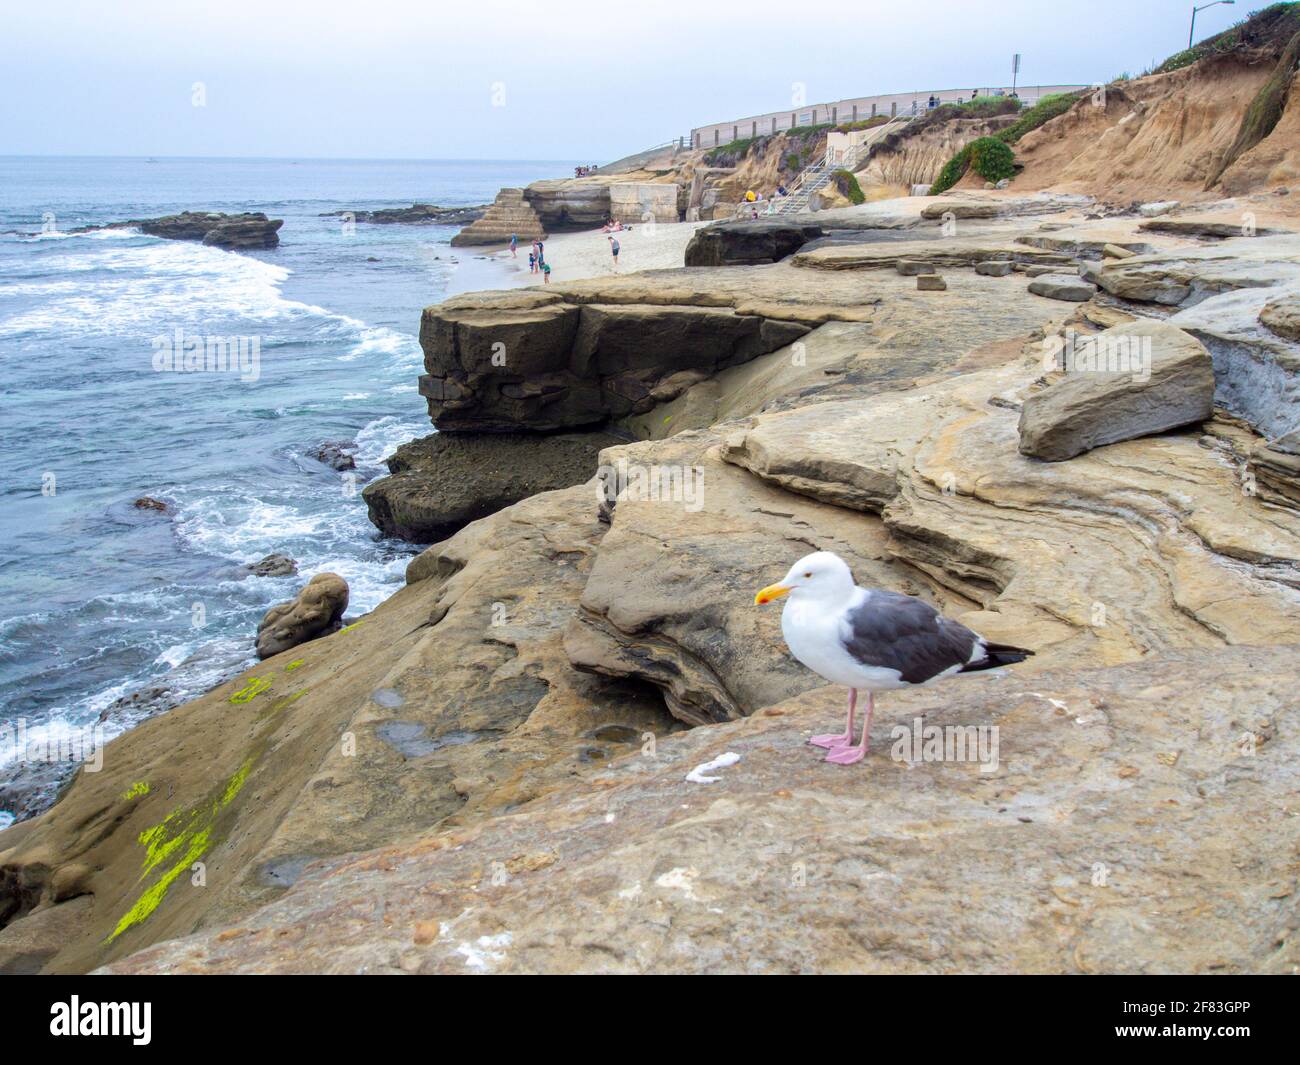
(835, 739)
(849, 755)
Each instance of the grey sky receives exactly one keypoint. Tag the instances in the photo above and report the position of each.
(581, 79)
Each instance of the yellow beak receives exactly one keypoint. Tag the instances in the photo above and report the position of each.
(772, 591)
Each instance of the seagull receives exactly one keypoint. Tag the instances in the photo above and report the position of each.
(872, 640)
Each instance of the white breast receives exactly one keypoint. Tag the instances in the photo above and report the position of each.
(814, 636)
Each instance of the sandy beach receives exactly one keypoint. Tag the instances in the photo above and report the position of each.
(574, 256)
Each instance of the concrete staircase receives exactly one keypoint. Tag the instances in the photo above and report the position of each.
(509, 213)
(819, 174)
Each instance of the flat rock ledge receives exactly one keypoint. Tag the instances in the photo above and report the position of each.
(1069, 854)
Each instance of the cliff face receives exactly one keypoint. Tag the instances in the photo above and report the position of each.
(917, 159)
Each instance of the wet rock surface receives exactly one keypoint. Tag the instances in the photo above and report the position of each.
(440, 483)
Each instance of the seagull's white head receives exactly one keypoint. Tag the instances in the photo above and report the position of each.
(822, 576)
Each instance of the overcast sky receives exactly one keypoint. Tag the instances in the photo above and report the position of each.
(501, 79)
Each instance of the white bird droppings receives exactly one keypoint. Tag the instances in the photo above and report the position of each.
(696, 775)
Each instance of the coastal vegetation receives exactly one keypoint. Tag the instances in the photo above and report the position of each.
(991, 157)
(846, 184)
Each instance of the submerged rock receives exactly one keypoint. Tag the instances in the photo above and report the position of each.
(1141, 378)
(149, 503)
(416, 214)
(273, 566)
(317, 611)
(336, 454)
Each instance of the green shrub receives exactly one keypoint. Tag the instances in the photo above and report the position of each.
(992, 159)
(953, 171)
(1048, 108)
(847, 185)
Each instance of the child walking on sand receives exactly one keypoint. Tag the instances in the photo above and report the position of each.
(514, 245)
(546, 273)
(532, 262)
(613, 248)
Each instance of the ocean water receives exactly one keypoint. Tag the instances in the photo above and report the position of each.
(99, 599)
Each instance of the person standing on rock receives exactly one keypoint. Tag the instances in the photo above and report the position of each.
(613, 249)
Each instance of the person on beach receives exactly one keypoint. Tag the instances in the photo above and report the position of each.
(546, 273)
(514, 245)
(541, 254)
(613, 248)
(532, 262)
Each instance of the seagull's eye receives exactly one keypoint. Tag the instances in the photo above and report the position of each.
(807, 574)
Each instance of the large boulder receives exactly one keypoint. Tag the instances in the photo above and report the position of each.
(748, 243)
(1128, 381)
(441, 483)
(317, 611)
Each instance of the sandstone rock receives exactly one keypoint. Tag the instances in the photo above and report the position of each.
(273, 566)
(747, 243)
(1187, 276)
(1114, 251)
(1154, 210)
(441, 483)
(509, 214)
(959, 209)
(1097, 805)
(541, 361)
(955, 252)
(914, 267)
(1275, 469)
(1062, 287)
(570, 203)
(669, 600)
(317, 611)
(995, 268)
(1037, 542)
(1200, 227)
(149, 503)
(255, 231)
(1281, 316)
(1256, 369)
(1167, 381)
(210, 227)
(931, 283)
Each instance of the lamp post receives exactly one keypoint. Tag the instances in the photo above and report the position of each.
(1192, 32)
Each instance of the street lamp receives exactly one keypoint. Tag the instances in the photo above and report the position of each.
(1192, 32)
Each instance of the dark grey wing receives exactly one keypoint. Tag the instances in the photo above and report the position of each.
(894, 631)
